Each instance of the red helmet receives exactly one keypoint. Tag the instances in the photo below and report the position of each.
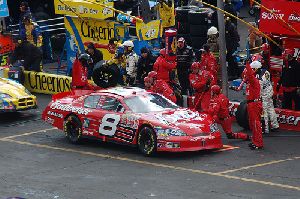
(256, 57)
(288, 52)
(216, 89)
(195, 65)
(162, 52)
(152, 74)
(265, 47)
(147, 79)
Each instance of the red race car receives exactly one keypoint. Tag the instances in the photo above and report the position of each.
(132, 116)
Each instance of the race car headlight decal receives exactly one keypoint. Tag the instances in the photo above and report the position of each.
(4, 95)
(170, 132)
(214, 128)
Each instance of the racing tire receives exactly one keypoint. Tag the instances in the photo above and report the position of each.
(106, 76)
(198, 17)
(182, 13)
(73, 129)
(198, 42)
(198, 30)
(147, 141)
(241, 115)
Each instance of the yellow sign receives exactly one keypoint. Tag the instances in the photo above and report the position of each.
(148, 31)
(89, 9)
(167, 15)
(96, 31)
(46, 83)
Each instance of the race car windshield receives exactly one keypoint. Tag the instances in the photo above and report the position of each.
(149, 103)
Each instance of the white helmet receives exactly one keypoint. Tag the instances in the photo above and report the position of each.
(128, 43)
(212, 31)
(255, 65)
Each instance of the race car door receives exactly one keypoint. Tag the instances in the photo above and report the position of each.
(110, 111)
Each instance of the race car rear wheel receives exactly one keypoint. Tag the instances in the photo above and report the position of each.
(147, 141)
(73, 129)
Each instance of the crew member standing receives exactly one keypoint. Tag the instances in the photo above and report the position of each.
(131, 62)
(219, 110)
(265, 53)
(267, 97)
(163, 67)
(185, 56)
(290, 81)
(254, 106)
(144, 65)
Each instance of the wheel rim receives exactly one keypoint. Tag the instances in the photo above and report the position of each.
(73, 129)
(146, 142)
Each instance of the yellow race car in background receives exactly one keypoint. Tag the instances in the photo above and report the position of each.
(15, 97)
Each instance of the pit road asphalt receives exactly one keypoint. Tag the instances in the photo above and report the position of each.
(36, 161)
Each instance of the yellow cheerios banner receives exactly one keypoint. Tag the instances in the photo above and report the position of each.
(84, 8)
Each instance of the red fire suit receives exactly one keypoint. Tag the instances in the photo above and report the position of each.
(163, 88)
(254, 106)
(219, 110)
(79, 77)
(209, 61)
(202, 90)
(163, 68)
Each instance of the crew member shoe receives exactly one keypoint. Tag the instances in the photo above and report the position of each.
(254, 147)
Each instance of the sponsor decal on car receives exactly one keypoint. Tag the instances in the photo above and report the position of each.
(55, 114)
(66, 107)
(86, 123)
(288, 119)
(130, 121)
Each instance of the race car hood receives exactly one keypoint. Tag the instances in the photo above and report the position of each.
(188, 121)
(12, 88)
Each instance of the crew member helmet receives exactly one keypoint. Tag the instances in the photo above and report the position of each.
(162, 52)
(212, 31)
(215, 89)
(265, 47)
(255, 65)
(128, 43)
(85, 59)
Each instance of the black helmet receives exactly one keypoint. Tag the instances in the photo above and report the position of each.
(85, 59)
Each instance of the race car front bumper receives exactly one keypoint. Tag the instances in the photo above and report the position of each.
(189, 143)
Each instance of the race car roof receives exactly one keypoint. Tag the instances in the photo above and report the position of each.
(123, 91)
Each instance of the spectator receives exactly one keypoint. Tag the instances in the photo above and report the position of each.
(31, 32)
(185, 56)
(290, 80)
(163, 67)
(232, 43)
(144, 65)
(265, 53)
(255, 39)
(31, 55)
(96, 55)
(229, 7)
(24, 13)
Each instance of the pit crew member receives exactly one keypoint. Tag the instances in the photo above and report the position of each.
(131, 62)
(219, 110)
(163, 67)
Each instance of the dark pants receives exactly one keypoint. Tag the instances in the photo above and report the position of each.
(183, 77)
(288, 98)
(233, 69)
(33, 65)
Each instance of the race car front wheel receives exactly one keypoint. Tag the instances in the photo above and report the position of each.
(147, 141)
(73, 129)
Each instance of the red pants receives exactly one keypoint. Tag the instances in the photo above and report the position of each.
(254, 113)
(227, 127)
(203, 98)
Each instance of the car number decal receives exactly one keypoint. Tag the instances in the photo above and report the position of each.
(109, 124)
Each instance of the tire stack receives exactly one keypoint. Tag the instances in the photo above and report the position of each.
(198, 21)
(182, 22)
